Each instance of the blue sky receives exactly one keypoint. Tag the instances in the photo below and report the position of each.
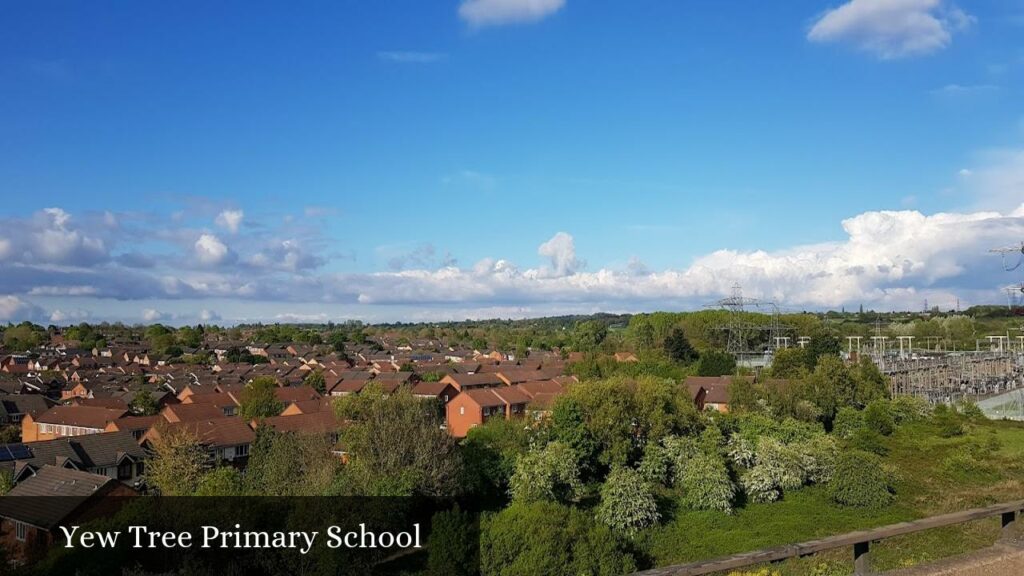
(419, 160)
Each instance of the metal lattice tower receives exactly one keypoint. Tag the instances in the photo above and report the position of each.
(739, 331)
(1015, 292)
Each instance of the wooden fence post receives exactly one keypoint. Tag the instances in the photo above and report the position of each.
(862, 558)
(1008, 521)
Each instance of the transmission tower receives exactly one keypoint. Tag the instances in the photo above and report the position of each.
(1015, 292)
(740, 331)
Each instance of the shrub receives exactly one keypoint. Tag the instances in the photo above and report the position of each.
(848, 420)
(878, 417)
(947, 421)
(861, 481)
(627, 504)
(740, 451)
(548, 538)
(706, 485)
(869, 441)
(760, 486)
(656, 465)
(910, 409)
(777, 468)
(970, 411)
(783, 462)
(818, 459)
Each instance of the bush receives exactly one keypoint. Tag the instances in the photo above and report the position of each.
(847, 422)
(869, 441)
(656, 465)
(740, 452)
(627, 504)
(861, 481)
(947, 421)
(818, 459)
(759, 485)
(878, 417)
(706, 485)
(970, 411)
(777, 468)
(548, 538)
(907, 409)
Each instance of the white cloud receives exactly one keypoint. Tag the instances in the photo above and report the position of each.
(210, 251)
(892, 28)
(411, 57)
(480, 13)
(63, 317)
(151, 315)
(5, 248)
(230, 220)
(890, 259)
(561, 249)
(55, 240)
(209, 316)
(14, 309)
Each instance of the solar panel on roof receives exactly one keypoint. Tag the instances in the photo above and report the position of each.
(10, 452)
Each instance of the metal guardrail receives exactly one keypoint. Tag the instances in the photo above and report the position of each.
(860, 541)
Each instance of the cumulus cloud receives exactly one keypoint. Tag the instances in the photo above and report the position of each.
(286, 255)
(889, 259)
(230, 220)
(210, 251)
(209, 316)
(561, 249)
(14, 309)
(64, 317)
(892, 28)
(56, 240)
(480, 13)
(151, 315)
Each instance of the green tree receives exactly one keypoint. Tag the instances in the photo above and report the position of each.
(716, 363)
(290, 464)
(396, 446)
(259, 400)
(587, 336)
(143, 403)
(550, 473)
(177, 462)
(453, 548)
(789, 363)
(548, 538)
(489, 455)
(678, 347)
(627, 503)
(221, 481)
(315, 380)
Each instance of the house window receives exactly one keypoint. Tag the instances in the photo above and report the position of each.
(124, 470)
(19, 531)
(242, 450)
(462, 410)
